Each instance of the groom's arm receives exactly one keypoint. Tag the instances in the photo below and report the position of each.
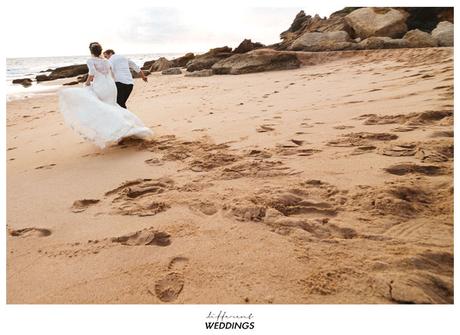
(136, 68)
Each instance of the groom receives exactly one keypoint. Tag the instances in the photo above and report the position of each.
(123, 79)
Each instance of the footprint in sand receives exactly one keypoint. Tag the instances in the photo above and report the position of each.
(49, 166)
(410, 168)
(404, 129)
(92, 155)
(144, 237)
(81, 205)
(205, 207)
(168, 288)
(360, 139)
(306, 125)
(307, 152)
(343, 127)
(448, 133)
(363, 149)
(399, 150)
(265, 128)
(154, 162)
(31, 232)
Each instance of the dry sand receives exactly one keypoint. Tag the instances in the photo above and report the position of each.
(331, 183)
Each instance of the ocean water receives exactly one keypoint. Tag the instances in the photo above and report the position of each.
(31, 66)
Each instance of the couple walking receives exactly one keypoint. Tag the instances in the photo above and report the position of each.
(98, 111)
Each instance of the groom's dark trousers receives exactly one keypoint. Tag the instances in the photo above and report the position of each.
(123, 92)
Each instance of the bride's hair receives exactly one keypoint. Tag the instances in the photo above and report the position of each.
(95, 49)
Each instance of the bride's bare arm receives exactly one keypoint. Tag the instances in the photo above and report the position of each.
(89, 79)
(91, 71)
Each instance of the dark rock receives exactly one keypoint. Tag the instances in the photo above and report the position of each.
(68, 71)
(246, 46)
(182, 61)
(257, 61)
(207, 60)
(369, 21)
(42, 77)
(26, 82)
(148, 64)
(160, 64)
(74, 82)
(64, 72)
(216, 51)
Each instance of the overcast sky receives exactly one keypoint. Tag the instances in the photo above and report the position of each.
(45, 28)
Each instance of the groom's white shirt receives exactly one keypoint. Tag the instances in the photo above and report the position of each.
(120, 67)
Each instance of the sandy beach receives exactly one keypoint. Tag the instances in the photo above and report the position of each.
(331, 183)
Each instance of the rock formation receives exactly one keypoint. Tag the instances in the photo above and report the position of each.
(26, 82)
(257, 61)
(182, 61)
(326, 41)
(420, 39)
(444, 34)
(208, 59)
(64, 72)
(367, 22)
(246, 46)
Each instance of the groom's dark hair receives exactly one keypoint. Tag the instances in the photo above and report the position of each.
(95, 49)
(109, 51)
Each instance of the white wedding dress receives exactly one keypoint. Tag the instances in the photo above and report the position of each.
(93, 112)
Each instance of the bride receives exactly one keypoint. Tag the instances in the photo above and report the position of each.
(93, 112)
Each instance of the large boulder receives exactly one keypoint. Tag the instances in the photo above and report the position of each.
(148, 64)
(182, 61)
(420, 39)
(379, 42)
(246, 46)
(172, 70)
(257, 61)
(26, 82)
(64, 72)
(68, 71)
(444, 34)
(336, 40)
(367, 22)
(207, 60)
(160, 64)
